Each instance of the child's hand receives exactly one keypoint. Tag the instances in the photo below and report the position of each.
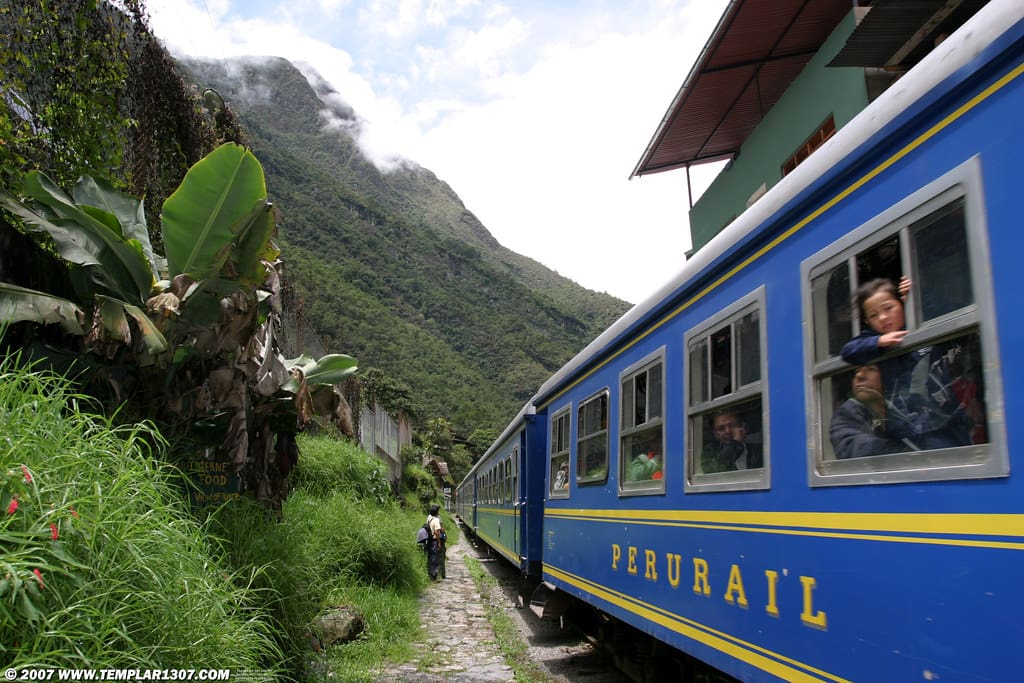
(891, 338)
(904, 286)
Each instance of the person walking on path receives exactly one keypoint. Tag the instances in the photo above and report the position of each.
(435, 544)
(459, 644)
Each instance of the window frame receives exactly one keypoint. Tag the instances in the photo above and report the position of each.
(651, 486)
(596, 434)
(991, 459)
(740, 480)
(566, 413)
(515, 476)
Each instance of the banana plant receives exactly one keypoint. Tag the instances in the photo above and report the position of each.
(203, 313)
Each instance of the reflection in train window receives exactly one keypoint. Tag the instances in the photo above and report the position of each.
(925, 399)
(916, 409)
(558, 472)
(592, 439)
(642, 442)
(727, 427)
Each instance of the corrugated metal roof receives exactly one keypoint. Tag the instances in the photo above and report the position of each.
(754, 53)
(898, 33)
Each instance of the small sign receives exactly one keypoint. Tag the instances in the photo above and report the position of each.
(213, 482)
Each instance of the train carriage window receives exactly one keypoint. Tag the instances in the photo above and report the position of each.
(558, 470)
(727, 444)
(592, 440)
(642, 441)
(939, 242)
(916, 409)
(509, 485)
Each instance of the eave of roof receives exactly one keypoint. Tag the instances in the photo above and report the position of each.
(898, 33)
(754, 53)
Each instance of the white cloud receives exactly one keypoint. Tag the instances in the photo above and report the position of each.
(545, 165)
(534, 115)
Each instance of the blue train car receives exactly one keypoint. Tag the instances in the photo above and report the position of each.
(719, 477)
(501, 498)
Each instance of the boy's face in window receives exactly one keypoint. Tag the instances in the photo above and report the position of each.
(729, 428)
(867, 383)
(884, 312)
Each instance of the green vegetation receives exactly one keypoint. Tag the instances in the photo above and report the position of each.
(104, 566)
(393, 267)
(169, 330)
(340, 541)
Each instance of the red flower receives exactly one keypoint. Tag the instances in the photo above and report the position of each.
(13, 507)
(74, 512)
(39, 577)
(53, 531)
(28, 475)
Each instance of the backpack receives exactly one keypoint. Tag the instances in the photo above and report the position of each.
(423, 535)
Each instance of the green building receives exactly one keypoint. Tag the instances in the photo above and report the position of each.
(775, 81)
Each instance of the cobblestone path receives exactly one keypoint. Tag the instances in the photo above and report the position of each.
(460, 645)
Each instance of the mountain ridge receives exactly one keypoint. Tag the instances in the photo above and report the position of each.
(393, 267)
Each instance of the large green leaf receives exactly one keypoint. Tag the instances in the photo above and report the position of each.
(254, 246)
(119, 267)
(115, 319)
(329, 369)
(207, 211)
(129, 211)
(18, 304)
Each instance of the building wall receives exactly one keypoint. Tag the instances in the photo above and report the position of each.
(817, 92)
(385, 436)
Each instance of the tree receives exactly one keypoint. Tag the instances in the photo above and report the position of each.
(186, 339)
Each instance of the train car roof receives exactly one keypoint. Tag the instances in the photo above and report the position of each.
(972, 39)
(525, 411)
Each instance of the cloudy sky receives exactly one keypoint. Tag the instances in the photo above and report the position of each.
(535, 111)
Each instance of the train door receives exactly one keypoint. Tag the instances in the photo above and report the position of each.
(515, 498)
(476, 495)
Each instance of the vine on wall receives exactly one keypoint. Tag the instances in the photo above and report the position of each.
(88, 90)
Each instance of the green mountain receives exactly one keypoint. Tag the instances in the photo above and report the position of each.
(392, 268)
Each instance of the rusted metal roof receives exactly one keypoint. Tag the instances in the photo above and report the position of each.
(754, 53)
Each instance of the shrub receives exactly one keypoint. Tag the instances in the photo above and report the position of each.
(420, 483)
(340, 540)
(328, 466)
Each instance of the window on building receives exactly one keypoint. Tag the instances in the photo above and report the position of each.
(816, 140)
(727, 444)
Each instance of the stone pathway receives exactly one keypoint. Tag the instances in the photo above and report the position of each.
(460, 645)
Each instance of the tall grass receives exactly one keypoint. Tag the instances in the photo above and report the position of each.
(340, 541)
(100, 561)
(102, 565)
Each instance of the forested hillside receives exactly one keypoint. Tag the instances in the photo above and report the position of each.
(392, 268)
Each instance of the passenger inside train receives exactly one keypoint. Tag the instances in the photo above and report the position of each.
(729, 449)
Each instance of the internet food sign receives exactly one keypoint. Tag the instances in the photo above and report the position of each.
(213, 481)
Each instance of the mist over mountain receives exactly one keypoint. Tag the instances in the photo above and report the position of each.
(389, 265)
